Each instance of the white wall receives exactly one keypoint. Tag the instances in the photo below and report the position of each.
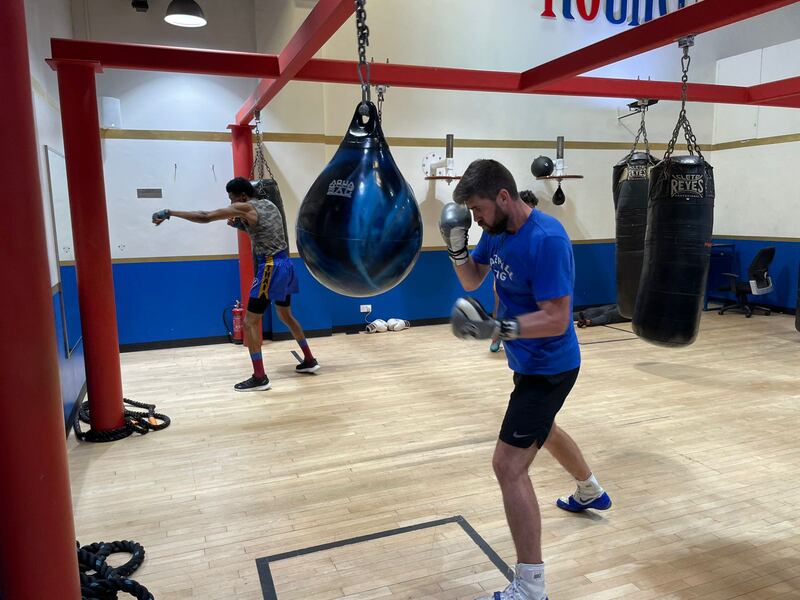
(502, 35)
(191, 174)
(757, 189)
(511, 35)
(178, 102)
(298, 108)
(46, 19)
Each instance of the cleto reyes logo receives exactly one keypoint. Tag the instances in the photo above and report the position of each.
(616, 12)
(638, 172)
(687, 185)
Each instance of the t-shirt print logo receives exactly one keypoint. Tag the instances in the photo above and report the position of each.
(687, 185)
(501, 270)
(341, 187)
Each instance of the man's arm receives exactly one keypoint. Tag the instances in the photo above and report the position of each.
(553, 319)
(471, 274)
(553, 286)
(454, 224)
(242, 210)
(236, 223)
(470, 320)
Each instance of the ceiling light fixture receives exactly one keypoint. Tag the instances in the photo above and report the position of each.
(185, 13)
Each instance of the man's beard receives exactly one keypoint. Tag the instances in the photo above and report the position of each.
(499, 227)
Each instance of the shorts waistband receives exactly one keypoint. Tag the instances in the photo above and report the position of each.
(283, 254)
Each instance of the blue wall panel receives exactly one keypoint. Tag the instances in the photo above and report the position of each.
(71, 370)
(69, 291)
(595, 274)
(428, 292)
(165, 301)
(161, 301)
(783, 269)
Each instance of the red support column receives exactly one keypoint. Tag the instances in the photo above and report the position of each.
(35, 507)
(242, 139)
(76, 88)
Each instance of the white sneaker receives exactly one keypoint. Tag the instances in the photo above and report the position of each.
(516, 590)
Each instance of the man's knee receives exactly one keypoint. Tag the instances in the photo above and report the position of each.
(509, 465)
(251, 319)
(553, 436)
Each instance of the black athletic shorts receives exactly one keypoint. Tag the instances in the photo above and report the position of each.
(259, 305)
(533, 406)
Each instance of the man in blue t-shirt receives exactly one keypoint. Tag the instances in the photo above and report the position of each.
(530, 257)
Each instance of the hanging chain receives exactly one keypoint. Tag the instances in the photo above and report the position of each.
(260, 163)
(683, 120)
(381, 89)
(642, 133)
(362, 32)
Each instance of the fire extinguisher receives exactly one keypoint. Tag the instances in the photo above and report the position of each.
(234, 326)
(238, 322)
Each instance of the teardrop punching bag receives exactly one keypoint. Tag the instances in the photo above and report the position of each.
(630, 184)
(359, 228)
(677, 251)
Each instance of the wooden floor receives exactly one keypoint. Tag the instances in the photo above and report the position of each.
(698, 447)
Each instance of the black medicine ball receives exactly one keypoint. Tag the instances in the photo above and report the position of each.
(542, 167)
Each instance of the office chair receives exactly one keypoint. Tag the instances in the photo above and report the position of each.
(759, 283)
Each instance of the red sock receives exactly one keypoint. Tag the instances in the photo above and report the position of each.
(306, 350)
(258, 364)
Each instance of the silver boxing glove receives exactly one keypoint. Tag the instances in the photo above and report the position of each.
(454, 225)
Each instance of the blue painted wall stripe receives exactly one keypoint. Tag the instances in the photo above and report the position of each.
(161, 301)
(71, 370)
(783, 269)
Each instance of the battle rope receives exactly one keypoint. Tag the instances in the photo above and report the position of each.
(135, 422)
(100, 581)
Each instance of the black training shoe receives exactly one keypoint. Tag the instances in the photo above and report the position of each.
(307, 366)
(254, 384)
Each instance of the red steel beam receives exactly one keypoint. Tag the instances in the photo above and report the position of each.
(77, 93)
(340, 71)
(776, 93)
(695, 19)
(344, 71)
(322, 22)
(163, 58)
(242, 141)
(112, 55)
(634, 88)
(788, 102)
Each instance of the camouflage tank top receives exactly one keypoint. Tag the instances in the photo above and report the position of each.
(267, 234)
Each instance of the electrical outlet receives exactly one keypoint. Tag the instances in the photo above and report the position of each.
(366, 308)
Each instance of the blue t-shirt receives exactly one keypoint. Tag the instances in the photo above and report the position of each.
(529, 266)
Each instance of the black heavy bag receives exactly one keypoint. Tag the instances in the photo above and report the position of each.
(267, 189)
(359, 229)
(677, 251)
(630, 184)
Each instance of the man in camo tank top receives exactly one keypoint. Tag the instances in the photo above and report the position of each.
(275, 279)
